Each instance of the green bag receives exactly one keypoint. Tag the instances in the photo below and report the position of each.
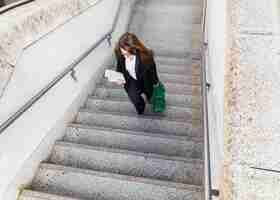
(158, 98)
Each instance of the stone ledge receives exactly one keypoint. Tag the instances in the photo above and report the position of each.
(23, 25)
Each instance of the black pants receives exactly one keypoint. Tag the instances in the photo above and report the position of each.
(134, 89)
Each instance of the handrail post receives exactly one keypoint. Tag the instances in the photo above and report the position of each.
(109, 39)
(73, 75)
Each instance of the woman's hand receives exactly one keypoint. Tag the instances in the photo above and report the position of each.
(156, 85)
(120, 82)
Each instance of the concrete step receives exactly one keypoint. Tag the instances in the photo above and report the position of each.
(178, 69)
(172, 2)
(145, 30)
(167, 47)
(35, 195)
(89, 184)
(168, 13)
(174, 77)
(187, 30)
(161, 43)
(177, 73)
(145, 142)
(139, 123)
(171, 99)
(179, 79)
(170, 60)
(176, 53)
(170, 88)
(125, 106)
(131, 163)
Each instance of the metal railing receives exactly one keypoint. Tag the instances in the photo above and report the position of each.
(70, 69)
(205, 87)
(11, 6)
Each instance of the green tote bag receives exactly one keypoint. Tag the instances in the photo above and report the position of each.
(158, 98)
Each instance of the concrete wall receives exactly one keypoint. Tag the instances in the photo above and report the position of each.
(252, 101)
(216, 37)
(29, 140)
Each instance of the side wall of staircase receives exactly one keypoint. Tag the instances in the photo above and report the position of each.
(28, 141)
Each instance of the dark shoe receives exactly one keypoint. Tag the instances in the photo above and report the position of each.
(140, 112)
(141, 109)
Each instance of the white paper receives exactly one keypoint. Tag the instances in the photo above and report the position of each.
(114, 76)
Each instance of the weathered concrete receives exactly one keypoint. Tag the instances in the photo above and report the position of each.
(90, 184)
(139, 123)
(180, 114)
(34, 195)
(129, 163)
(171, 99)
(252, 101)
(168, 145)
(20, 28)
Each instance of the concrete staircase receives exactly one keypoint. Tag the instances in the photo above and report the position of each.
(111, 153)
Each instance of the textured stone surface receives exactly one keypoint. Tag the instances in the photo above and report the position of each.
(99, 185)
(128, 163)
(252, 102)
(171, 99)
(259, 17)
(26, 24)
(177, 78)
(170, 60)
(34, 195)
(172, 113)
(159, 37)
(136, 141)
(170, 88)
(139, 123)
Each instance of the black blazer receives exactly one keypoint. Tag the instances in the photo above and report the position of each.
(146, 73)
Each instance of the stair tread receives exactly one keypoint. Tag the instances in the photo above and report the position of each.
(170, 88)
(92, 184)
(169, 97)
(37, 195)
(126, 100)
(170, 60)
(178, 100)
(131, 163)
(107, 175)
(138, 133)
(145, 142)
(142, 123)
(127, 152)
(132, 115)
(171, 113)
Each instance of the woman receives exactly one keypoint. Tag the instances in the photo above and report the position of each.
(136, 63)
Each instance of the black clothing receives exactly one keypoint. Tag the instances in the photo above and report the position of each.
(146, 75)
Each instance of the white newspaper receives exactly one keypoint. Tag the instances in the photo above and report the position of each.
(114, 76)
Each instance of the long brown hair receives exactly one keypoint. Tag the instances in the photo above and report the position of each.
(132, 44)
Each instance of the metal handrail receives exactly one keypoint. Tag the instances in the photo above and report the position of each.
(205, 86)
(69, 69)
(7, 8)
